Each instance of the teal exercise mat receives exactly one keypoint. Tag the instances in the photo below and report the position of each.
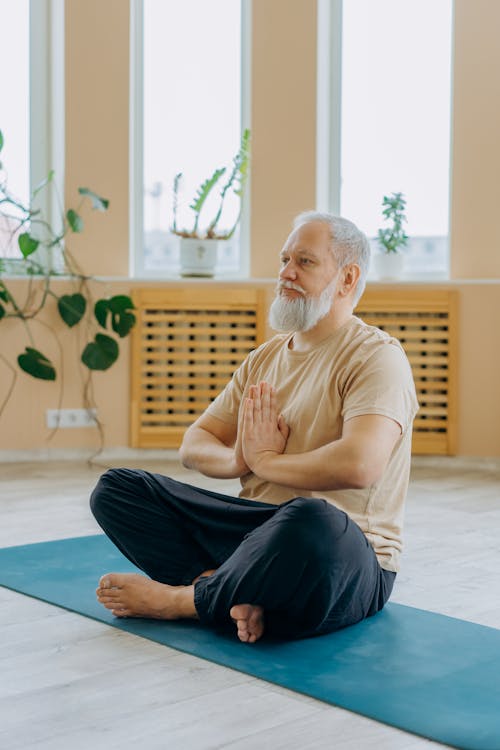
(432, 675)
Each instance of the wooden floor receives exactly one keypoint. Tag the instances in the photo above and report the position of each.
(69, 682)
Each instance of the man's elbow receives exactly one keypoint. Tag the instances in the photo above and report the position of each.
(363, 473)
(184, 458)
(185, 450)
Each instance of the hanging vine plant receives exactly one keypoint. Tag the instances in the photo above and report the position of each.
(44, 256)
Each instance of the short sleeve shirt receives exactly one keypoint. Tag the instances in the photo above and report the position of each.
(357, 370)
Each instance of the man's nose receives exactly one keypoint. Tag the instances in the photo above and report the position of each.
(288, 271)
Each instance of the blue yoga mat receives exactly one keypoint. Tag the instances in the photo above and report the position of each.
(432, 675)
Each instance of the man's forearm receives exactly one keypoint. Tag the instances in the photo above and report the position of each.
(332, 467)
(203, 452)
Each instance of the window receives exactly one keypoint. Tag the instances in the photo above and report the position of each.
(14, 115)
(31, 108)
(187, 92)
(392, 128)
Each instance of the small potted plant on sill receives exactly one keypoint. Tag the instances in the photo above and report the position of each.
(198, 247)
(389, 262)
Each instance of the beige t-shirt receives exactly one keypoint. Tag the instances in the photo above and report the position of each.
(357, 370)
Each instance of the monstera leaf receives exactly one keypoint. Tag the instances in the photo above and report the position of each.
(36, 364)
(118, 308)
(100, 353)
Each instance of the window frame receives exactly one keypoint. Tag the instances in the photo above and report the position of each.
(137, 268)
(329, 124)
(46, 116)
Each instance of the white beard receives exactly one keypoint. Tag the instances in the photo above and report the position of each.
(300, 314)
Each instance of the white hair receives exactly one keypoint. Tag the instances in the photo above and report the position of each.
(348, 243)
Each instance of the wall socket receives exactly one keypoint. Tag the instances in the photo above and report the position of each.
(70, 418)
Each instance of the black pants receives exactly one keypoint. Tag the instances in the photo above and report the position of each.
(305, 562)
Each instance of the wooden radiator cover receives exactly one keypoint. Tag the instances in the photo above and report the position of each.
(425, 322)
(185, 347)
(188, 342)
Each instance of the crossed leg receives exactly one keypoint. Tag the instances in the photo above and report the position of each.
(134, 595)
(249, 620)
(299, 569)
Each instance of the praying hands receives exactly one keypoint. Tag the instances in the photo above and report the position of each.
(264, 432)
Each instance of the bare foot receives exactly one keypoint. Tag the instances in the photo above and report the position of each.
(134, 595)
(249, 619)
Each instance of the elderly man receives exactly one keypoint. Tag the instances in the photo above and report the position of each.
(316, 423)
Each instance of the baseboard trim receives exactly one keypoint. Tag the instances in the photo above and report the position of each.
(84, 454)
(455, 463)
(124, 453)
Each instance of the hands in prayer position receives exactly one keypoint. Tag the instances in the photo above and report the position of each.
(262, 430)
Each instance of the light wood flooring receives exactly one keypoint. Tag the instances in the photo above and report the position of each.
(69, 682)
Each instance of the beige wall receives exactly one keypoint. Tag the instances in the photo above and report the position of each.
(479, 368)
(475, 229)
(23, 421)
(283, 183)
(283, 123)
(97, 132)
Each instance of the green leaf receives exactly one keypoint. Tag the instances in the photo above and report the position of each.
(27, 244)
(100, 204)
(122, 321)
(74, 220)
(1, 140)
(205, 188)
(44, 182)
(101, 310)
(36, 364)
(100, 353)
(203, 193)
(72, 308)
(5, 296)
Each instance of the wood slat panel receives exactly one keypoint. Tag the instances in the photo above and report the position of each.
(202, 331)
(185, 317)
(432, 374)
(185, 348)
(182, 356)
(226, 368)
(169, 420)
(432, 398)
(223, 325)
(180, 392)
(182, 380)
(424, 321)
(411, 347)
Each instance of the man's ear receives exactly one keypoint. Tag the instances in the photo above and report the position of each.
(349, 279)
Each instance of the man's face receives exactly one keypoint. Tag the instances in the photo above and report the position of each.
(307, 279)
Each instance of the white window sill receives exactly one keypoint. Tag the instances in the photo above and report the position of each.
(405, 280)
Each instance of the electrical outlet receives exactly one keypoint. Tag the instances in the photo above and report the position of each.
(70, 418)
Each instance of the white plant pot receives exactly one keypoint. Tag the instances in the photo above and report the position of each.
(198, 257)
(388, 266)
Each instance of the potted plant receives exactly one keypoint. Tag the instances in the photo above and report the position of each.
(389, 261)
(99, 322)
(198, 246)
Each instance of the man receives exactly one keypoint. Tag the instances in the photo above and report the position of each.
(316, 423)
